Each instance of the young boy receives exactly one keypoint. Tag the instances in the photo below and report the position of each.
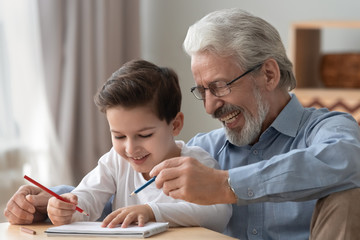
(142, 104)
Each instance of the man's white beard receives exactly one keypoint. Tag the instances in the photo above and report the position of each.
(252, 127)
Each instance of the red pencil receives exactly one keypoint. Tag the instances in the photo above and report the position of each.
(52, 193)
(27, 230)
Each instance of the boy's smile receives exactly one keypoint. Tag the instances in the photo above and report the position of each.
(140, 137)
(138, 160)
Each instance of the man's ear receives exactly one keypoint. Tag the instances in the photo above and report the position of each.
(272, 73)
(178, 123)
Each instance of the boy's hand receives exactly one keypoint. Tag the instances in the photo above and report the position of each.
(127, 215)
(61, 212)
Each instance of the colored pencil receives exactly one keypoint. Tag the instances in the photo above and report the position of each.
(27, 230)
(143, 186)
(52, 193)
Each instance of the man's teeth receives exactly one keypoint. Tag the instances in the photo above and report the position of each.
(230, 118)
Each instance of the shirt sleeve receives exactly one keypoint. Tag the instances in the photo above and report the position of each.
(328, 162)
(214, 217)
(95, 189)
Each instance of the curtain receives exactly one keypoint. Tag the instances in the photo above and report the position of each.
(83, 42)
(28, 143)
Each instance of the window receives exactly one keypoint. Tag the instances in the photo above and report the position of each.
(27, 139)
(8, 132)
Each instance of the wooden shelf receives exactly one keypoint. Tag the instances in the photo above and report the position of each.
(326, 24)
(306, 57)
(306, 49)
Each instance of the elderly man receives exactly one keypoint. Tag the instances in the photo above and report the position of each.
(277, 158)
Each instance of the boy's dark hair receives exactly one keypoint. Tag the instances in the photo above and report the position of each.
(139, 83)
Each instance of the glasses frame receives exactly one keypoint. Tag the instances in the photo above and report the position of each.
(227, 84)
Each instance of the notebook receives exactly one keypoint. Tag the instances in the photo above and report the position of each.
(95, 229)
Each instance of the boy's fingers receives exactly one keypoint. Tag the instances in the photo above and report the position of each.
(128, 220)
(107, 220)
(141, 221)
(70, 198)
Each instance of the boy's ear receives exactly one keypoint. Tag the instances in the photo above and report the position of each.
(178, 123)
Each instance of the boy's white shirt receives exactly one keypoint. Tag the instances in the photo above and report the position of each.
(114, 176)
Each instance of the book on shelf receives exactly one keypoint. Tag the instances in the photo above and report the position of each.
(95, 229)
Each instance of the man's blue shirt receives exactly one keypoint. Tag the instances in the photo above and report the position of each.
(304, 155)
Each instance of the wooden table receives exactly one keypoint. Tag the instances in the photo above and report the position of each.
(12, 232)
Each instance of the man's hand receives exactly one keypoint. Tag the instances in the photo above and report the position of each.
(186, 178)
(27, 205)
(127, 215)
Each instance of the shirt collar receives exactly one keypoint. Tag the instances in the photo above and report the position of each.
(288, 121)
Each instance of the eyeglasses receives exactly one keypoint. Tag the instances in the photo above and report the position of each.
(218, 88)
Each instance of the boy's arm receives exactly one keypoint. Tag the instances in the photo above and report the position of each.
(185, 214)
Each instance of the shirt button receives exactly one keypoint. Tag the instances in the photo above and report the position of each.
(254, 231)
(255, 152)
(250, 193)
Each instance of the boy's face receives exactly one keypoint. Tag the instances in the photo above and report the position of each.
(140, 137)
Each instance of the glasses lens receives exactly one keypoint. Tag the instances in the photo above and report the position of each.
(199, 92)
(219, 88)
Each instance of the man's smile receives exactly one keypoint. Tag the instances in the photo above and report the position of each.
(230, 118)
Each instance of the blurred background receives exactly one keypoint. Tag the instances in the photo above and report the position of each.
(55, 54)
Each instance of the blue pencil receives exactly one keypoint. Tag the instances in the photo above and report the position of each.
(143, 186)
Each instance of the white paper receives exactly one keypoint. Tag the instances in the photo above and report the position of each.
(94, 228)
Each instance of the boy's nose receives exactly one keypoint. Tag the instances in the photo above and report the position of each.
(130, 146)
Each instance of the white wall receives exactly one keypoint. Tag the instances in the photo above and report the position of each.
(165, 23)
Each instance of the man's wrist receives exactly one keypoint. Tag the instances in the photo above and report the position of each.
(229, 195)
(233, 195)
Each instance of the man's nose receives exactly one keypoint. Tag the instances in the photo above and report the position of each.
(212, 102)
